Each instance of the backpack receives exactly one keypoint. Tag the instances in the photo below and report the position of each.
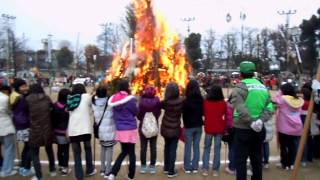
(150, 125)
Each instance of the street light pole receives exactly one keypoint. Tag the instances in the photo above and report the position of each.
(7, 19)
(188, 20)
(242, 18)
(228, 19)
(287, 25)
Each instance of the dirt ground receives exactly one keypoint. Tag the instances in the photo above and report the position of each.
(308, 173)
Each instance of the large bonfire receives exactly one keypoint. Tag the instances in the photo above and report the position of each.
(155, 56)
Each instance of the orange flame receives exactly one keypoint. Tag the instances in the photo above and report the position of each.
(159, 56)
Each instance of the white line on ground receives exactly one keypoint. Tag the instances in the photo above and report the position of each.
(138, 163)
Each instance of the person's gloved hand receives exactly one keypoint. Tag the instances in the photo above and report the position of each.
(257, 125)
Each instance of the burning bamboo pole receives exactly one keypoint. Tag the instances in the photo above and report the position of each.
(304, 133)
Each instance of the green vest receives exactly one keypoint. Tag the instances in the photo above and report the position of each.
(257, 100)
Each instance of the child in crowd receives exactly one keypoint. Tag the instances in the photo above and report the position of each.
(125, 110)
(306, 91)
(103, 116)
(265, 146)
(80, 128)
(170, 127)
(149, 102)
(228, 137)
(192, 121)
(22, 123)
(41, 131)
(7, 134)
(215, 108)
(288, 123)
(60, 118)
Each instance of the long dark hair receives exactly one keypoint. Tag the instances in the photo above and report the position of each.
(193, 90)
(215, 93)
(101, 92)
(287, 89)
(123, 85)
(172, 91)
(63, 96)
(78, 89)
(36, 89)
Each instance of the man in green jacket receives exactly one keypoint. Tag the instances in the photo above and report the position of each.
(252, 107)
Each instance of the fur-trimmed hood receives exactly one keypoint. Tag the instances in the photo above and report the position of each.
(120, 98)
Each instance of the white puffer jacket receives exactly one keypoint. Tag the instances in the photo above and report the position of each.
(107, 127)
(80, 119)
(6, 124)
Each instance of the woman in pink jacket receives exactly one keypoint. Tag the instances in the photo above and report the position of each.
(288, 123)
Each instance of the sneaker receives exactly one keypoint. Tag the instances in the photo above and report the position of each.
(205, 172)
(229, 171)
(266, 166)
(65, 171)
(26, 172)
(12, 173)
(35, 178)
(215, 173)
(172, 175)
(53, 174)
(111, 177)
(195, 171)
(102, 173)
(92, 173)
(152, 169)
(143, 169)
(303, 164)
(165, 171)
(105, 176)
(127, 178)
(249, 172)
(186, 171)
(291, 167)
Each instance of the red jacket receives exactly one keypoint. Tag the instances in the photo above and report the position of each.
(214, 116)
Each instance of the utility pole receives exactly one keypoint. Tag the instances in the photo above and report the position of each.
(242, 18)
(228, 19)
(287, 25)
(7, 21)
(106, 28)
(188, 20)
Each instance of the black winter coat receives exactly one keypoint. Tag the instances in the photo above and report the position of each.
(171, 121)
(193, 112)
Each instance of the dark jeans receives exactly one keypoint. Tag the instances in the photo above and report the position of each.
(288, 149)
(26, 156)
(308, 148)
(1, 158)
(126, 149)
(265, 152)
(170, 153)
(63, 155)
(231, 156)
(153, 149)
(248, 143)
(36, 160)
(76, 148)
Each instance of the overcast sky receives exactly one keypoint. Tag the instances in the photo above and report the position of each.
(64, 19)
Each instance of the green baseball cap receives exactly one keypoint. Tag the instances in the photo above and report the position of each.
(247, 67)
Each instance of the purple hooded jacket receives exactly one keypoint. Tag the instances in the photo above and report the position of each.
(20, 114)
(124, 110)
(149, 103)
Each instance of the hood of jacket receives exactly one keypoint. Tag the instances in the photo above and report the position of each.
(119, 99)
(293, 102)
(100, 101)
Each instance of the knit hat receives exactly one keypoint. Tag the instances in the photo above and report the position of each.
(18, 83)
(247, 67)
